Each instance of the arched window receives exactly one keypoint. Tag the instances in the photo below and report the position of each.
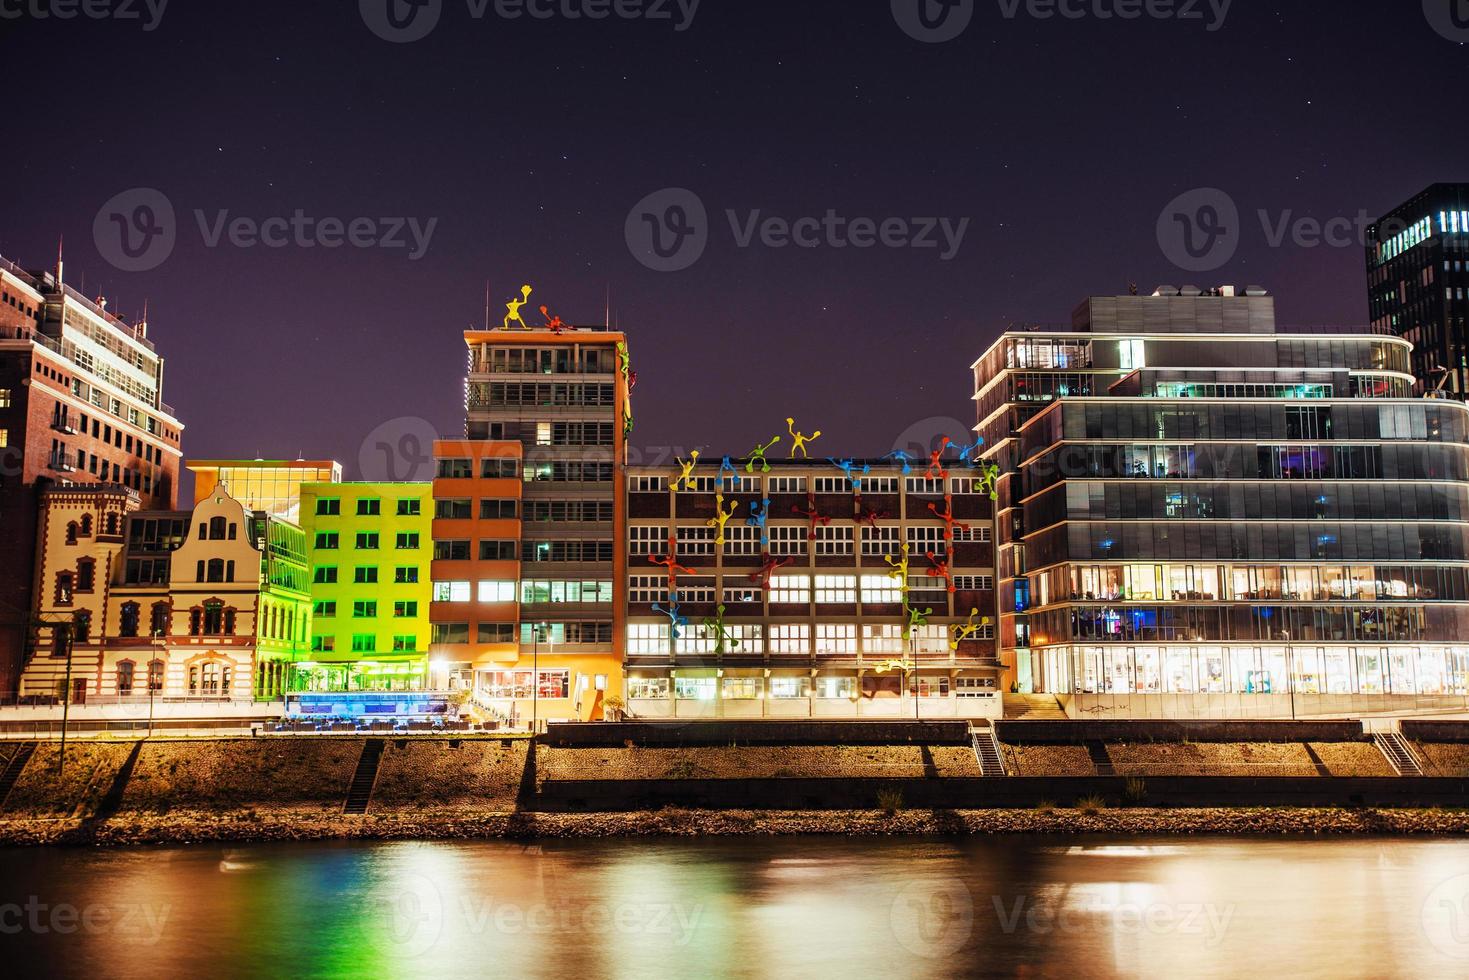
(112, 524)
(290, 633)
(128, 625)
(155, 676)
(216, 528)
(210, 680)
(71, 533)
(229, 622)
(229, 569)
(213, 618)
(196, 621)
(158, 623)
(81, 631)
(86, 575)
(215, 570)
(65, 588)
(124, 678)
(86, 525)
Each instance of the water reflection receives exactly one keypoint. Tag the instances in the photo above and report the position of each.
(744, 908)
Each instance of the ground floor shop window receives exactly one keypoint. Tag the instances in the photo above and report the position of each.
(790, 687)
(694, 688)
(647, 688)
(509, 685)
(741, 688)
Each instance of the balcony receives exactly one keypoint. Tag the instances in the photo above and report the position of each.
(62, 462)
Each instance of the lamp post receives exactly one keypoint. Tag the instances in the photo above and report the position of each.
(157, 658)
(64, 636)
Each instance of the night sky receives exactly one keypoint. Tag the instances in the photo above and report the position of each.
(531, 141)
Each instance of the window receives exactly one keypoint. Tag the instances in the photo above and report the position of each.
(834, 540)
(365, 575)
(496, 632)
(974, 687)
(491, 510)
(647, 688)
(790, 589)
(836, 688)
(788, 541)
(451, 632)
(327, 540)
(155, 676)
(86, 575)
(128, 623)
(791, 638)
(65, 588)
(790, 687)
(369, 507)
(647, 638)
(405, 609)
(922, 540)
(596, 591)
(694, 688)
(881, 589)
(836, 639)
(883, 638)
(836, 589)
(367, 540)
(498, 551)
(323, 644)
(974, 583)
(410, 507)
(647, 484)
(454, 509)
(364, 643)
(451, 592)
(695, 541)
(324, 609)
(364, 609)
(647, 540)
(647, 588)
(407, 541)
(451, 551)
(455, 469)
(927, 487)
(158, 622)
(500, 469)
(405, 575)
(741, 689)
(881, 540)
(81, 629)
(787, 484)
(405, 644)
(496, 591)
(328, 507)
(325, 575)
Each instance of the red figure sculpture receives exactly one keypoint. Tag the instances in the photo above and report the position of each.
(554, 324)
(769, 565)
(936, 469)
(671, 563)
(813, 515)
(941, 570)
(947, 516)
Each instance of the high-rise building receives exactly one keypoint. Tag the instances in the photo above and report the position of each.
(527, 604)
(369, 549)
(798, 588)
(1203, 514)
(81, 402)
(1417, 280)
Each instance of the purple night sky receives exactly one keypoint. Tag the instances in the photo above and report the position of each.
(530, 141)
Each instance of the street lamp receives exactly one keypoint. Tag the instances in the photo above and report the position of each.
(64, 637)
(158, 659)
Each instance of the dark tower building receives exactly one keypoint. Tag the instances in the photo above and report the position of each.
(1416, 283)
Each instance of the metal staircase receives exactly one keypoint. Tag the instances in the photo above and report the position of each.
(13, 768)
(987, 752)
(1399, 753)
(359, 795)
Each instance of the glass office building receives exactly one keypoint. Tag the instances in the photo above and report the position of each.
(1239, 519)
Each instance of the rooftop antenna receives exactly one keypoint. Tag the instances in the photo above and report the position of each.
(607, 314)
(60, 263)
(487, 304)
(142, 328)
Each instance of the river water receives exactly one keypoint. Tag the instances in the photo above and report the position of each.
(783, 907)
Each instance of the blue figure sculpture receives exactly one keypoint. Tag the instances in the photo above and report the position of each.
(969, 455)
(675, 618)
(728, 466)
(903, 458)
(759, 515)
(847, 466)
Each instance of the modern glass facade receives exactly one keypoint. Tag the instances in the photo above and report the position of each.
(1236, 511)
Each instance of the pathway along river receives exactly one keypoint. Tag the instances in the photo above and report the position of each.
(768, 907)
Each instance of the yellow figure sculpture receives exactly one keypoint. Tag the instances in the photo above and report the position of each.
(685, 479)
(721, 517)
(967, 631)
(900, 569)
(883, 666)
(514, 306)
(799, 445)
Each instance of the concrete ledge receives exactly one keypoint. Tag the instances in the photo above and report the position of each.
(687, 734)
(1436, 731)
(1014, 792)
(1077, 732)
